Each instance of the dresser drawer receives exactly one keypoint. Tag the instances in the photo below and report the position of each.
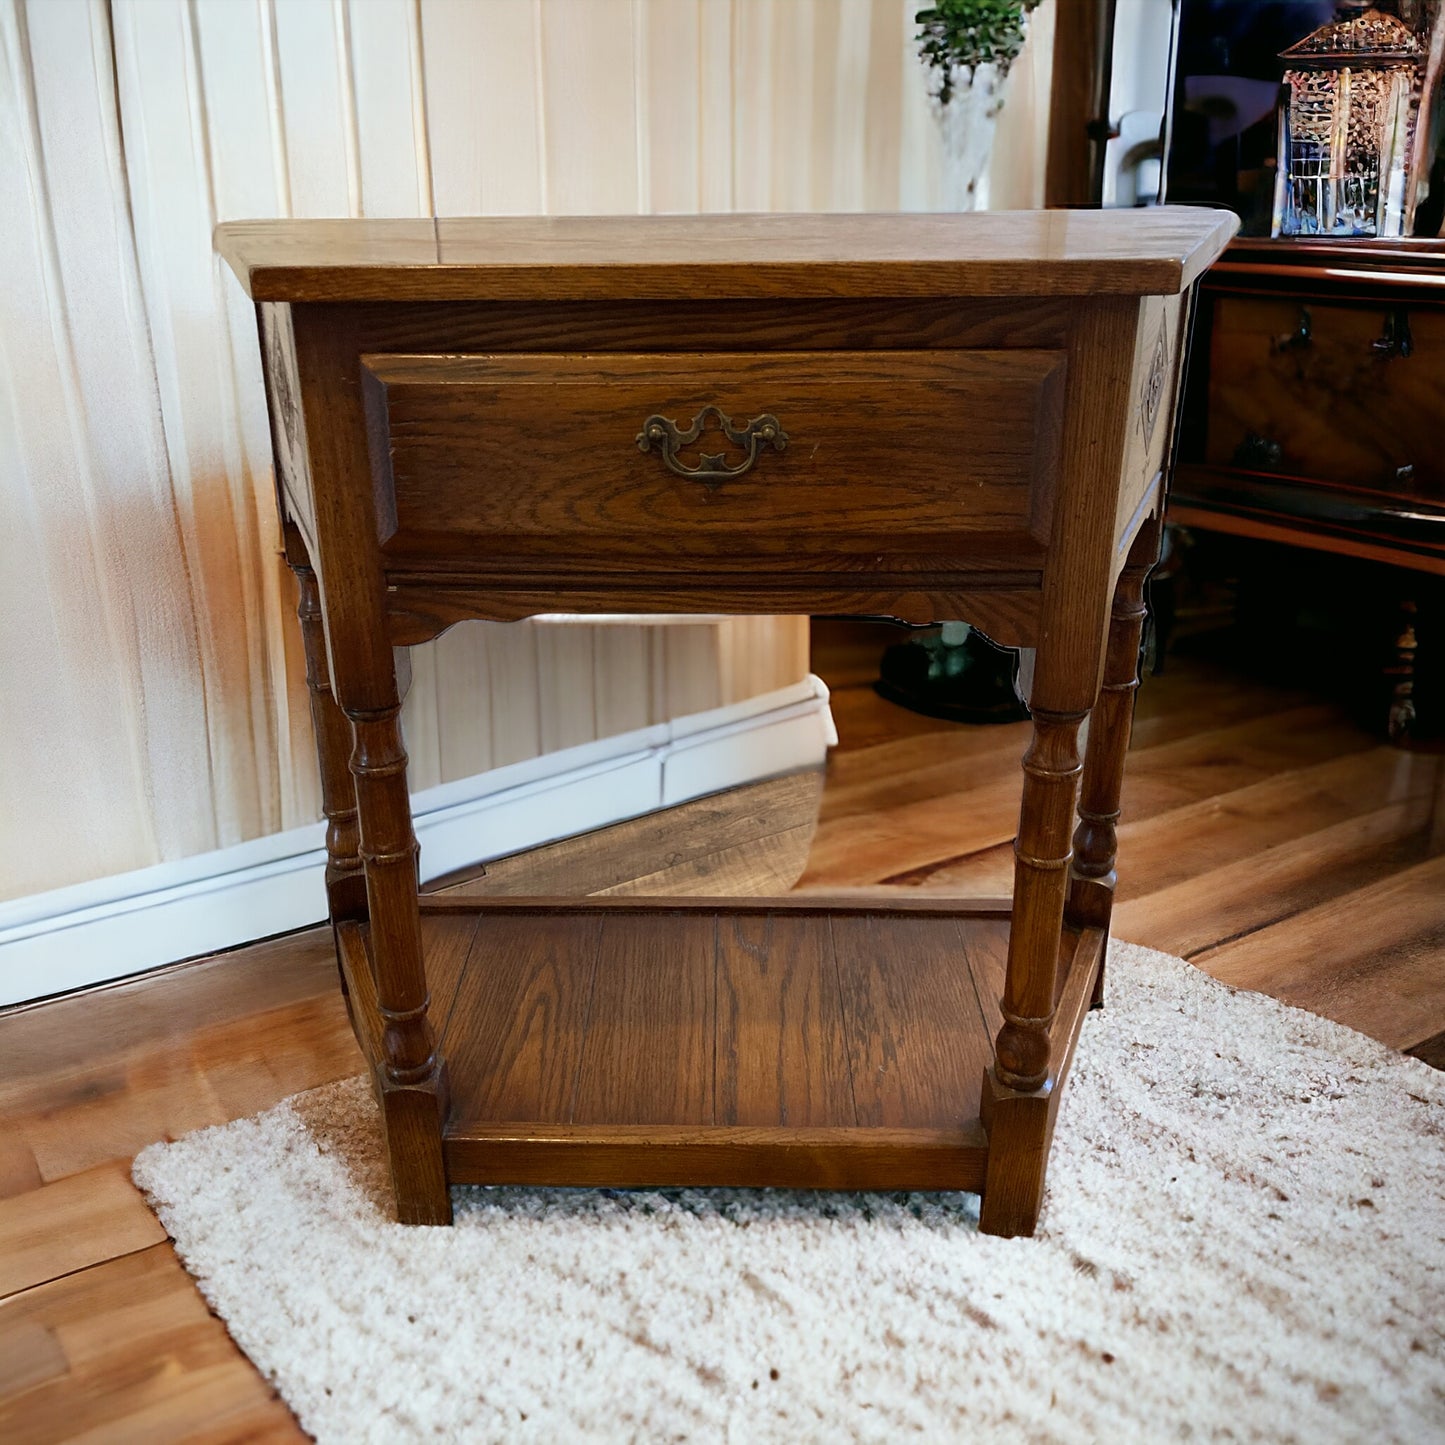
(1345, 394)
(665, 457)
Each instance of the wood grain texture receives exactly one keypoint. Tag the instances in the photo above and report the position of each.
(770, 324)
(861, 900)
(1092, 876)
(1077, 585)
(917, 1033)
(421, 608)
(345, 881)
(515, 1034)
(1330, 360)
(781, 1049)
(538, 452)
(586, 1032)
(1158, 251)
(1154, 383)
(836, 1157)
(1078, 101)
(722, 837)
(1342, 411)
(71, 1223)
(128, 1350)
(1312, 955)
(1021, 1124)
(1249, 893)
(1199, 508)
(365, 683)
(651, 1051)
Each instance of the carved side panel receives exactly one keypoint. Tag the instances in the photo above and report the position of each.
(1154, 393)
(288, 425)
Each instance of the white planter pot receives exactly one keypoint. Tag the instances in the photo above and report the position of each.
(967, 124)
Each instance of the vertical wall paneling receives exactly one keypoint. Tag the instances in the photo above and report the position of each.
(842, 106)
(566, 675)
(483, 106)
(63, 539)
(589, 106)
(753, 136)
(671, 65)
(621, 679)
(311, 59)
(920, 146)
(143, 598)
(801, 35)
(173, 193)
(385, 64)
(248, 175)
(714, 106)
(513, 697)
(463, 724)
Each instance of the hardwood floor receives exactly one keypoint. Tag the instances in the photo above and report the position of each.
(1264, 837)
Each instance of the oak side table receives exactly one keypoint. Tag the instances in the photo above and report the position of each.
(930, 417)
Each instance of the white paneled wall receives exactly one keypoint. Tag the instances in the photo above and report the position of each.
(154, 705)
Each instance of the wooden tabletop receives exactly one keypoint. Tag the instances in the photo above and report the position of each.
(1153, 251)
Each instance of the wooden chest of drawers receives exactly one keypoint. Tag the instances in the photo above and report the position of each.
(930, 417)
(1314, 412)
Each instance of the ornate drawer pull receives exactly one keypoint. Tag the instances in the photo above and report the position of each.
(762, 431)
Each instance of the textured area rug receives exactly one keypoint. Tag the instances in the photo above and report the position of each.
(1243, 1239)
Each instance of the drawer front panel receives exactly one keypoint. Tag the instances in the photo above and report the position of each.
(1343, 394)
(922, 451)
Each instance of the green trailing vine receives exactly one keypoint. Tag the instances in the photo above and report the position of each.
(964, 34)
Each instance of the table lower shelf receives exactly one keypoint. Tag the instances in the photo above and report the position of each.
(777, 1042)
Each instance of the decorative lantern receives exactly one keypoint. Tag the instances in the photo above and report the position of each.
(1346, 117)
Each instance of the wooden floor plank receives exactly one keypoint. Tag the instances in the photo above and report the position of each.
(30, 1356)
(1187, 842)
(1266, 886)
(762, 868)
(1430, 1051)
(1374, 958)
(1195, 693)
(782, 1054)
(75, 1222)
(112, 1108)
(712, 834)
(19, 1173)
(898, 835)
(137, 1013)
(649, 1056)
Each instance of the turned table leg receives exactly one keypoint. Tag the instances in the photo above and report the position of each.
(1096, 841)
(1016, 1091)
(345, 880)
(371, 877)
(412, 1081)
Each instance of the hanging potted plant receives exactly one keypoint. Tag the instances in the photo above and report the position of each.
(969, 47)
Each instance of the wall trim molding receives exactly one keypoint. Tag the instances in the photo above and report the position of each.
(110, 928)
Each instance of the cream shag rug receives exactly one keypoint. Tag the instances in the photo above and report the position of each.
(1243, 1239)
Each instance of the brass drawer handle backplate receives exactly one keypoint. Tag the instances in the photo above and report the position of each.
(761, 431)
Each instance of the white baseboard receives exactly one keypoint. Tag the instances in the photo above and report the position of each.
(109, 928)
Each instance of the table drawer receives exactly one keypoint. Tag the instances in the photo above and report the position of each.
(667, 457)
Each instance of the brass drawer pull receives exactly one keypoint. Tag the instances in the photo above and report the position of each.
(762, 431)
